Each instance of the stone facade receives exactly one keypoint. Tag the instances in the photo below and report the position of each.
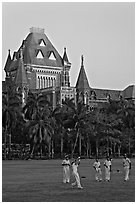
(37, 66)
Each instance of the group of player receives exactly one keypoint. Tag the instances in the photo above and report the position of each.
(96, 165)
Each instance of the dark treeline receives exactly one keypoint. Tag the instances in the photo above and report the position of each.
(68, 129)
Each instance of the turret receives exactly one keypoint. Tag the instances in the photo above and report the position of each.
(66, 69)
(21, 78)
(82, 84)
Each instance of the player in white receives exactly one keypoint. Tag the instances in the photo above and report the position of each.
(66, 169)
(97, 167)
(75, 165)
(107, 165)
(127, 167)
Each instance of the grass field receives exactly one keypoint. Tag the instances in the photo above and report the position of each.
(41, 181)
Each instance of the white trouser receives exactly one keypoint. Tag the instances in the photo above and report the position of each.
(126, 170)
(66, 174)
(77, 180)
(98, 175)
(107, 174)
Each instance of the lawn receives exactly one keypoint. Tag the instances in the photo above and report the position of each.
(41, 181)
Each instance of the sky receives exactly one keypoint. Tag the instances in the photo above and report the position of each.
(104, 33)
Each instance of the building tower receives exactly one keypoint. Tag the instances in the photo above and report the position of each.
(82, 85)
(21, 81)
(39, 67)
(66, 69)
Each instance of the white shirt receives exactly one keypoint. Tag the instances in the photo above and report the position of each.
(126, 162)
(66, 163)
(96, 164)
(107, 163)
(74, 167)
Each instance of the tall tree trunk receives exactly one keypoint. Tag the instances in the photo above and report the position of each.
(9, 148)
(75, 143)
(111, 152)
(52, 149)
(114, 149)
(33, 148)
(119, 150)
(90, 150)
(40, 150)
(79, 145)
(61, 146)
(107, 147)
(49, 150)
(129, 142)
(5, 142)
(87, 148)
(97, 151)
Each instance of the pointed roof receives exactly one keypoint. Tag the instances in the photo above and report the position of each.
(8, 62)
(82, 82)
(31, 46)
(65, 57)
(21, 77)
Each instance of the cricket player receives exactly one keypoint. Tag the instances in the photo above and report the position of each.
(107, 165)
(75, 165)
(127, 167)
(66, 169)
(97, 167)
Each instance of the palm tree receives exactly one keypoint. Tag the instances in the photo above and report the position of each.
(39, 134)
(60, 114)
(37, 112)
(34, 104)
(65, 116)
(11, 108)
(126, 113)
(77, 120)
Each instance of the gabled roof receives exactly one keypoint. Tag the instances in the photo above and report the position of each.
(103, 93)
(21, 77)
(8, 62)
(129, 92)
(32, 44)
(82, 82)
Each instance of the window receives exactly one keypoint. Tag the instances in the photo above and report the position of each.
(42, 43)
(40, 54)
(52, 56)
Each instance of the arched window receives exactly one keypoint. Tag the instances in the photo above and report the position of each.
(41, 82)
(49, 82)
(38, 82)
(44, 82)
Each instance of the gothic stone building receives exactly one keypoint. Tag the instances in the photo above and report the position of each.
(37, 66)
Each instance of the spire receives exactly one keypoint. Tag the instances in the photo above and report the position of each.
(8, 62)
(82, 82)
(82, 59)
(65, 57)
(21, 77)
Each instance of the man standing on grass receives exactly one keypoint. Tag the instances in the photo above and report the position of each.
(75, 165)
(97, 167)
(107, 165)
(127, 167)
(66, 169)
